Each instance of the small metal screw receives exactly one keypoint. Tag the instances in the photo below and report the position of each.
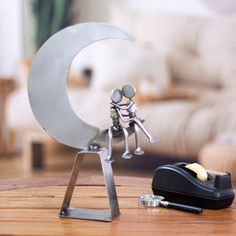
(94, 147)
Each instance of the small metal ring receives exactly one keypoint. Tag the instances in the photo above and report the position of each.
(149, 200)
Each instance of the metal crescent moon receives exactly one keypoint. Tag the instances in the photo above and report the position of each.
(47, 86)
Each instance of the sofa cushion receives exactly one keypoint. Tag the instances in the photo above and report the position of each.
(199, 50)
(158, 30)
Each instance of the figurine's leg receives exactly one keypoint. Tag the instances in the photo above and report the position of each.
(139, 123)
(138, 150)
(109, 144)
(127, 153)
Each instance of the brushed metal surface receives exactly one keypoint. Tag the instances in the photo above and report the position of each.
(47, 86)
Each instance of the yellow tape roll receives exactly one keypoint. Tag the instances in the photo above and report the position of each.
(199, 170)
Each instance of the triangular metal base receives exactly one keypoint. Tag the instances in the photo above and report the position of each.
(92, 214)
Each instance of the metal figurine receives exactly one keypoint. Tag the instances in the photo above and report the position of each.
(129, 117)
(116, 128)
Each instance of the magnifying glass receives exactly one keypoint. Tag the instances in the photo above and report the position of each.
(158, 201)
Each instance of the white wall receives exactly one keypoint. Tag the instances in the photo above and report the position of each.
(17, 41)
(29, 48)
(93, 10)
(193, 7)
(10, 36)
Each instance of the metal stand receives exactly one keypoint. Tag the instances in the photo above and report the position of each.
(92, 214)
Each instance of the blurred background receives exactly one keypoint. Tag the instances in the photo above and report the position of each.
(183, 65)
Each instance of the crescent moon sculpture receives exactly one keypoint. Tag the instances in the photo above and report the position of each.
(47, 86)
(47, 89)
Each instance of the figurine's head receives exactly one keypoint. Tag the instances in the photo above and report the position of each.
(128, 91)
(116, 95)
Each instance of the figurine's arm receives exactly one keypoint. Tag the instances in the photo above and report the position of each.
(123, 106)
(130, 104)
(121, 117)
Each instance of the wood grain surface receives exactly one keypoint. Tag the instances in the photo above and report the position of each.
(32, 209)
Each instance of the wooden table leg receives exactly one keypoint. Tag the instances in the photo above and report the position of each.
(33, 151)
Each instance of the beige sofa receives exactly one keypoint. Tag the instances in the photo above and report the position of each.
(195, 54)
(200, 55)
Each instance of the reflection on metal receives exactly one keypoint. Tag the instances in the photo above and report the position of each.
(47, 91)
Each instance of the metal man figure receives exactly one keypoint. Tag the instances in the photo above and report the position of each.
(116, 128)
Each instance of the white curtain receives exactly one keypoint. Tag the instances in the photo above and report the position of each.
(11, 47)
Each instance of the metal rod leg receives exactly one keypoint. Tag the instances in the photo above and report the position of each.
(138, 150)
(109, 144)
(72, 182)
(139, 123)
(127, 153)
(92, 214)
(110, 185)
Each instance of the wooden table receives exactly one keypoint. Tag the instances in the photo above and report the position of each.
(31, 207)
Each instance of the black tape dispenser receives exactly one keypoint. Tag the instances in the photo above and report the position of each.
(191, 184)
